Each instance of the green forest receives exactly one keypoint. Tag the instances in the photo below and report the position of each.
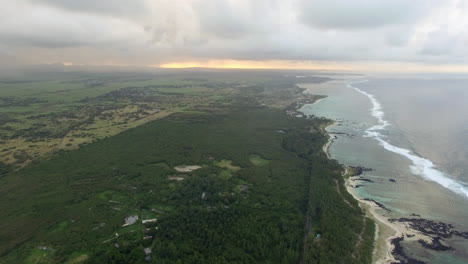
(231, 181)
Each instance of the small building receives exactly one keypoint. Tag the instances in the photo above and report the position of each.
(147, 221)
(318, 236)
(130, 220)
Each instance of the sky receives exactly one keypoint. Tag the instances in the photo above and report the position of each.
(427, 35)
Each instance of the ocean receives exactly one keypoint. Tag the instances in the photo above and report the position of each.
(412, 132)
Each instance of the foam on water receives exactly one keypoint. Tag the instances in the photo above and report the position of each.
(421, 166)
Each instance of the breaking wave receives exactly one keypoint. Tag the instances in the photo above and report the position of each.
(421, 166)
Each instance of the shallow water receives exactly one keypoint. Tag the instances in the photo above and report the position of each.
(414, 132)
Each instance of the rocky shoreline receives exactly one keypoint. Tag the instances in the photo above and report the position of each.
(429, 234)
(380, 205)
(301, 100)
(433, 233)
(359, 170)
(400, 254)
(391, 233)
(431, 228)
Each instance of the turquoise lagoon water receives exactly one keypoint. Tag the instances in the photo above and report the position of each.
(413, 131)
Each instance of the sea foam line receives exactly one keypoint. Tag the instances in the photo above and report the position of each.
(421, 166)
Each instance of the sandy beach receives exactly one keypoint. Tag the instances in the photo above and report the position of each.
(331, 138)
(416, 219)
(386, 231)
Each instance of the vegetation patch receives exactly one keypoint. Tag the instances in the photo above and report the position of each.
(148, 214)
(161, 208)
(77, 257)
(40, 255)
(226, 164)
(225, 174)
(136, 227)
(113, 197)
(257, 160)
(61, 226)
(259, 216)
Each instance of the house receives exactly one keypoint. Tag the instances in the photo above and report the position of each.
(147, 221)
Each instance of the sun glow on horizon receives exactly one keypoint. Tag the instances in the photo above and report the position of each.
(362, 66)
(250, 64)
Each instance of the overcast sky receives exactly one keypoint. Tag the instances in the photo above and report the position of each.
(155, 32)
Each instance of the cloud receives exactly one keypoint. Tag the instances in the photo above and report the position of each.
(110, 7)
(50, 28)
(231, 23)
(149, 32)
(234, 19)
(440, 43)
(360, 14)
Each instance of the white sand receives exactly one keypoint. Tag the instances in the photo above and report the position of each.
(187, 168)
(331, 138)
(176, 178)
(385, 230)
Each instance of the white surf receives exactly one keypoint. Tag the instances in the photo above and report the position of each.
(420, 166)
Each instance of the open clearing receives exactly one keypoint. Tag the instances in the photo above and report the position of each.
(226, 164)
(258, 161)
(188, 168)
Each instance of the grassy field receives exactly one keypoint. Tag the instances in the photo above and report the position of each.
(262, 175)
(44, 116)
(258, 161)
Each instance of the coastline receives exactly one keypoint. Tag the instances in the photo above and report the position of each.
(385, 231)
(331, 138)
(411, 236)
